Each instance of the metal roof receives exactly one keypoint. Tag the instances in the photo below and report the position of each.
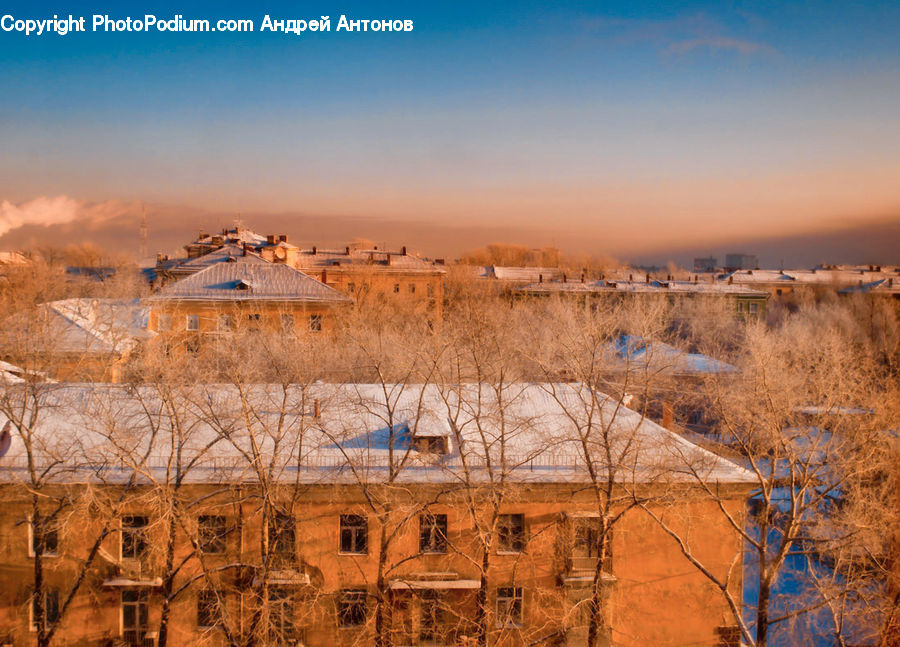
(363, 432)
(250, 282)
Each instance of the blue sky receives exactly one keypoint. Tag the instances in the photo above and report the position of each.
(586, 113)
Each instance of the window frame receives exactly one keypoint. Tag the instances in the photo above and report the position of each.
(49, 593)
(315, 322)
(433, 616)
(357, 528)
(433, 534)
(511, 537)
(142, 611)
(208, 603)
(54, 533)
(288, 323)
(189, 319)
(282, 599)
(350, 601)
(220, 538)
(506, 597)
(280, 526)
(135, 532)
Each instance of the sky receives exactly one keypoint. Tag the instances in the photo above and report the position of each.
(618, 127)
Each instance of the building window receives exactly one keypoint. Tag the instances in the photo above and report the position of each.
(282, 536)
(433, 533)
(211, 531)
(740, 306)
(51, 609)
(351, 287)
(396, 288)
(51, 539)
(208, 609)
(134, 537)
(754, 308)
(315, 323)
(135, 616)
(587, 538)
(431, 444)
(253, 320)
(352, 608)
(281, 617)
(511, 533)
(163, 322)
(586, 545)
(412, 288)
(192, 322)
(509, 606)
(225, 324)
(287, 323)
(432, 617)
(429, 290)
(354, 534)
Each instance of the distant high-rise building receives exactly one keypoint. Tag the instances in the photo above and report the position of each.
(706, 264)
(741, 262)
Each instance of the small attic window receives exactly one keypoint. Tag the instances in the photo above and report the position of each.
(431, 444)
(243, 284)
(231, 259)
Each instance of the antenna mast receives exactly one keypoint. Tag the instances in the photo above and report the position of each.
(143, 249)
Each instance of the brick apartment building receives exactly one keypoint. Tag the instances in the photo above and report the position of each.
(361, 272)
(338, 515)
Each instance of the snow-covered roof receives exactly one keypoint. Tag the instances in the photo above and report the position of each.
(384, 260)
(636, 352)
(229, 253)
(881, 286)
(250, 282)
(523, 274)
(651, 287)
(84, 325)
(361, 431)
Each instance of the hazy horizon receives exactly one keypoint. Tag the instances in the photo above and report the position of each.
(115, 227)
(632, 130)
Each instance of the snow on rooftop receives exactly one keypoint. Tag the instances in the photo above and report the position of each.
(267, 282)
(357, 429)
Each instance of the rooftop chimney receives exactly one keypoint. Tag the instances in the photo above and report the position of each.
(282, 238)
(270, 239)
(347, 250)
(317, 411)
(324, 276)
(647, 277)
(314, 250)
(403, 251)
(540, 278)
